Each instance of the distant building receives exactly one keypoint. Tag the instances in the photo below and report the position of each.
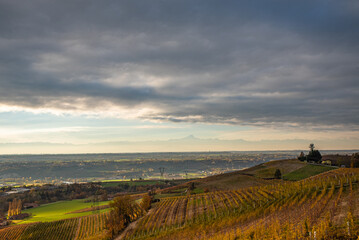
(19, 216)
(4, 223)
(17, 190)
(327, 162)
(337, 160)
(30, 205)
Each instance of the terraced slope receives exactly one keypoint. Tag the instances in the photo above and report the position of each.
(259, 175)
(288, 210)
(86, 227)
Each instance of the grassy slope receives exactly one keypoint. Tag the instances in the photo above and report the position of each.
(250, 177)
(57, 211)
(307, 171)
(226, 181)
(230, 181)
(267, 170)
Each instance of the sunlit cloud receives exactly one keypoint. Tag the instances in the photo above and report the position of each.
(180, 67)
(110, 111)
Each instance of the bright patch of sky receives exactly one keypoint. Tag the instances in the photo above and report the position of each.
(43, 127)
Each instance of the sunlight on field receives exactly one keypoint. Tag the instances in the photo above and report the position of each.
(58, 210)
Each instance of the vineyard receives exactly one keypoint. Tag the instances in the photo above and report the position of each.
(85, 227)
(324, 206)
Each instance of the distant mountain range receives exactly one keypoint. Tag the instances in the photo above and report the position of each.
(186, 144)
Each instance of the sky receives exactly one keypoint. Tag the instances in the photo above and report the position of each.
(132, 76)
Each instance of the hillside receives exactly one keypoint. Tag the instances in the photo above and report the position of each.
(306, 172)
(324, 206)
(244, 204)
(86, 227)
(258, 175)
(267, 170)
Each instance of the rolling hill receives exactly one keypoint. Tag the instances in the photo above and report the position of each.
(246, 204)
(259, 175)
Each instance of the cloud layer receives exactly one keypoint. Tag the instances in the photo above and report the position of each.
(274, 63)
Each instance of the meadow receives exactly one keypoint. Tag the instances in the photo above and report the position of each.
(59, 210)
(307, 171)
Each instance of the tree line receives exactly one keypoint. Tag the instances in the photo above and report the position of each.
(14, 207)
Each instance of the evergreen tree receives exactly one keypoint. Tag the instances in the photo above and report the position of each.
(301, 157)
(314, 155)
(277, 174)
(191, 186)
(354, 161)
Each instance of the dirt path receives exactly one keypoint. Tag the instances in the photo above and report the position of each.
(78, 229)
(132, 226)
(344, 205)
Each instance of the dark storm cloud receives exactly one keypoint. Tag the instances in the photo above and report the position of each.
(248, 62)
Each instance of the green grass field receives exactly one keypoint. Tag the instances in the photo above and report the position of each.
(306, 171)
(57, 211)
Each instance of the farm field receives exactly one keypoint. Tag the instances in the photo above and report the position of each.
(59, 210)
(307, 171)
